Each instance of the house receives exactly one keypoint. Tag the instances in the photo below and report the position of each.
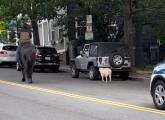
(52, 34)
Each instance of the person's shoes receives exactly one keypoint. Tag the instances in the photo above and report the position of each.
(23, 80)
(30, 81)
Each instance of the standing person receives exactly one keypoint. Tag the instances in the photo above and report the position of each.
(24, 38)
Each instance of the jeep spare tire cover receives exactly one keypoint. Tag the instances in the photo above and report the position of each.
(116, 60)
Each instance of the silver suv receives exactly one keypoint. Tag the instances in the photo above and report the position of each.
(157, 85)
(8, 54)
(114, 55)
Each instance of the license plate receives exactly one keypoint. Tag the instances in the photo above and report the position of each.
(12, 55)
(47, 58)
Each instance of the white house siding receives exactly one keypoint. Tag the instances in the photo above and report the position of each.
(51, 35)
(40, 33)
(46, 33)
(43, 27)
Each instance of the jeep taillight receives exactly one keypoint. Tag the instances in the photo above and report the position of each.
(129, 59)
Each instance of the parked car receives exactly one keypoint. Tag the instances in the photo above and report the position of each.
(102, 54)
(157, 85)
(8, 54)
(46, 58)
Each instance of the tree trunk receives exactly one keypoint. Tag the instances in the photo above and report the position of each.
(139, 55)
(35, 33)
(129, 30)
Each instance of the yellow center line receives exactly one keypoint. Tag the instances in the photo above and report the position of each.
(90, 99)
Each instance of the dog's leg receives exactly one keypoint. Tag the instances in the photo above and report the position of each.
(106, 78)
(102, 77)
(110, 76)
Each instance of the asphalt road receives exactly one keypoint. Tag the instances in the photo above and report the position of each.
(56, 96)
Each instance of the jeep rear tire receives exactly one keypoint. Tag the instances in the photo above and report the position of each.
(74, 71)
(116, 60)
(93, 73)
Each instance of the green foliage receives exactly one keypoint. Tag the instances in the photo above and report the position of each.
(152, 12)
(35, 9)
(147, 68)
(2, 27)
(12, 36)
(148, 11)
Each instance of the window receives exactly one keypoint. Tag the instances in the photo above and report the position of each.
(60, 34)
(46, 50)
(10, 48)
(53, 35)
(81, 31)
(93, 50)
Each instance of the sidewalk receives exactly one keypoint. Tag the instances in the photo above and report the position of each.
(65, 68)
(143, 75)
(139, 74)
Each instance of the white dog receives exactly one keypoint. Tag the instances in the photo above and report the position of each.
(105, 73)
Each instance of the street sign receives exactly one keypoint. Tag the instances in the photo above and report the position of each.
(88, 35)
(89, 32)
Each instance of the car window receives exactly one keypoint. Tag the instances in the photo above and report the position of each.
(93, 50)
(10, 48)
(47, 50)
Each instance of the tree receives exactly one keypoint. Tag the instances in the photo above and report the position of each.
(148, 12)
(3, 25)
(135, 13)
(35, 9)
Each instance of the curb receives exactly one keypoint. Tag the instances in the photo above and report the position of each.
(65, 68)
(142, 75)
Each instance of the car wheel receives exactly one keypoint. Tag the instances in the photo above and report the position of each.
(74, 71)
(18, 67)
(93, 73)
(116, 60)
(158, 93)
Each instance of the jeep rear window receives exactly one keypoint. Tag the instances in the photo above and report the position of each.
(93, 50)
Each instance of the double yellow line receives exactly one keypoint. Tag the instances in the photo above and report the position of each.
(90, 99)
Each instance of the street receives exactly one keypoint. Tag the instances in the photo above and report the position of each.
(57, 96)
